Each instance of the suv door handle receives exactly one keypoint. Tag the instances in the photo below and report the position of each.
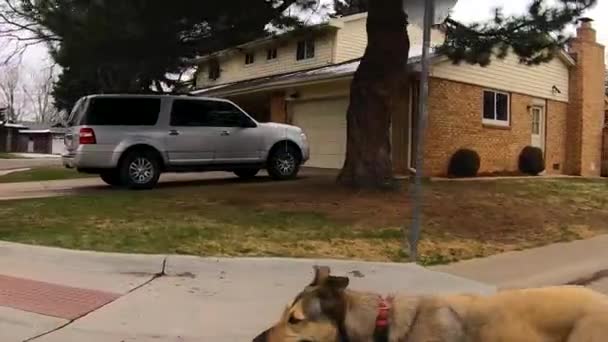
(225, 133)
(173, 132)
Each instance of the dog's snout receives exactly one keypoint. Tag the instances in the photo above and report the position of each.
(263, 337)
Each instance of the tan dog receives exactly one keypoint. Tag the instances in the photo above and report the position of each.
(325, 311)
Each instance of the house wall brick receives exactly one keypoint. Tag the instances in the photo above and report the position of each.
(605, 154)
(278, 107)
(586, 112)
(556, 143)
(455, 122)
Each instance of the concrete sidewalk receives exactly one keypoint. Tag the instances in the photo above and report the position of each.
(24, 190)
(556, 264)
(179, 298)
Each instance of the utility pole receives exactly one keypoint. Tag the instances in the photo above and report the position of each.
(416, 228)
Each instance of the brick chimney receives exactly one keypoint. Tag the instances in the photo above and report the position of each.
(586, 109)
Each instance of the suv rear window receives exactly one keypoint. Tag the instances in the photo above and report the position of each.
(122, 112)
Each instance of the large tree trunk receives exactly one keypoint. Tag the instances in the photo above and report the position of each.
(376, 92)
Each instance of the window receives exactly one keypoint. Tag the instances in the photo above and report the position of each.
(196, 113)
(249, 58)
(214, 70)
(496, 108)
(536, 120)
(306, 49)
(122, 111)
(271, 54)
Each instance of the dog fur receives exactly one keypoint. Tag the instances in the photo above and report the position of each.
(326, 308)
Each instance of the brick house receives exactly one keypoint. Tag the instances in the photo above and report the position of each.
(303, 78)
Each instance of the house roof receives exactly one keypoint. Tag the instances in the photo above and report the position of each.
(35, 131)
(345, 70)
(40, 128)
(13, 125)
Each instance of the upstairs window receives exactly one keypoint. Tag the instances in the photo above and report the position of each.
(306, 49)
(496, 108)
(249, 58)
(271, 54)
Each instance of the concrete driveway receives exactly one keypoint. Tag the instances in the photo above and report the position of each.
(10, 191)
(10, 164)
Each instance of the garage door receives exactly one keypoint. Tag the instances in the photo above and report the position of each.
(324, 122)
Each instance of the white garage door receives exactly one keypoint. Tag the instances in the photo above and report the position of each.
(324, 122)
(58, 146)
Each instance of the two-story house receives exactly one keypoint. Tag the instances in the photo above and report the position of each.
(303, 78)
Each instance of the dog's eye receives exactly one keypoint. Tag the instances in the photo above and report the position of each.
(293, 320)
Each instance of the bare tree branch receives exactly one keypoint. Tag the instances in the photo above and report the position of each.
(10, 92)
(39, 95)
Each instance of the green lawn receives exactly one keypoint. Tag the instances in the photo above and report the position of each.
(314, 218)
(42, 174)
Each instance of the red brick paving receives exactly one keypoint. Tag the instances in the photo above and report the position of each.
(50, 299)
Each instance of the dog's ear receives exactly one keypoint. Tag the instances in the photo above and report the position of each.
(337, 283)
(321, 275)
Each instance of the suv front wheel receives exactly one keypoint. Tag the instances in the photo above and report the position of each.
(284, 163)
(140, 170)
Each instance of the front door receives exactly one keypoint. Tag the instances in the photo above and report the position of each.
(538, 127)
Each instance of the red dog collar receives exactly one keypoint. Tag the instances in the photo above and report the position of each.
(383, 309)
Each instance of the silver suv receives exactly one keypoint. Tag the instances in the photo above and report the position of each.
(129, 140)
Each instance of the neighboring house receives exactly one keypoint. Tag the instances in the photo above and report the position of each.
(9, 137)
(41, 138)
(497, 110)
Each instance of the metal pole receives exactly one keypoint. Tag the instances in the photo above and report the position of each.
(414, 233)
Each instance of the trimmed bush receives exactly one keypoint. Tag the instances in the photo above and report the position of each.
(531, 161)
(464, 163)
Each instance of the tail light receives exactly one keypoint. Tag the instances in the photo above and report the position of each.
(87, 136)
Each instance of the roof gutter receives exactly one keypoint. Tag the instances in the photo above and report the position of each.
(295, 82)
(280, 85)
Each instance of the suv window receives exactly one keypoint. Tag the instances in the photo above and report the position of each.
(196, 113)
(122, 112)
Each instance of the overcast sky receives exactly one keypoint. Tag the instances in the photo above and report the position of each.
(465, 10)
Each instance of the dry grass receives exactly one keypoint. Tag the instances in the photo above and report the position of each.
(312, 217)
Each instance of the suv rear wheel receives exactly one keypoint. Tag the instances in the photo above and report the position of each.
(284, 163)
(140, 170)
(111, 177)
(246, 173)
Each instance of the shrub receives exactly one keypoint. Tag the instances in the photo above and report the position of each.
(531, 161)
(464, 163)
